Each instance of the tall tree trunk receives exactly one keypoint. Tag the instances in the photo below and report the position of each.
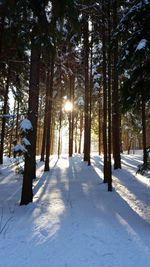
(100, 124)
(81, 130)
(105, 148)
(17, 125)
(60, 122)
(144, 130)
(71, 116)
(90, 98)
(109, 103)
(12, 132)
(49, 116)
(86, 76)
(76, 135)
(4, 116)
(59, 134)
(115, 98)
(30, 158)
(45, 122)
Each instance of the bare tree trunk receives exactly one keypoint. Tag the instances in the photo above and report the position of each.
(45, 123)
(100, 124)
(11, 132)
(30, 158)
(144, 130)
(109, 104)
(86, 75)
(81, 130)
(59, 134)
(105, 148)
(49, 116)
(76, 135)
(4, 116)
(71, 116)
(115, 99)
(17, 126)
(90, 99)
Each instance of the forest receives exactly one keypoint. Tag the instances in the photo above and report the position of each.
(74, 73)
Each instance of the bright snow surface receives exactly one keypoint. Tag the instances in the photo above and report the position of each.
(74, 221)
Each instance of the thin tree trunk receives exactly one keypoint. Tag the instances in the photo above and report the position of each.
(45, 120)
(71, 117)
(12, 131)
(4, 116)
(90, 99)
(115, 99)
(100, 125)
(59, 134)
(17, 126)
(105, 148)
(76, 135)
(144, 131)
(109, 104)
(81, 130)
(30, 158)
(86, 75)
(49, 117)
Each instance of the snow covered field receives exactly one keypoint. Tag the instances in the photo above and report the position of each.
(74, 221)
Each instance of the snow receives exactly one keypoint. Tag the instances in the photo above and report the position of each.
(73, 220)
(25, 125)
(141, 44)
(20, 148)
(26, 141)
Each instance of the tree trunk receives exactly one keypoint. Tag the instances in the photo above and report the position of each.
(90, 98)
(71, 117)
(100, 124)
(30, 157)
(59, 134)
(86, 76)
(144, 131)
(49, 115)
(109, 103)
(105, 148)
(81, 130)
(4, 116)
(115, 98)
(11, 132)
(76, 135)
(17, 126)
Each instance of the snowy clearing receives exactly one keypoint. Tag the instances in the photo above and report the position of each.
(74, 221)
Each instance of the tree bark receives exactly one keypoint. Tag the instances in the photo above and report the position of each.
(109, 103)
(30, 157)
(105, 148)
(144, 130)
(71, 116)
(4, 116)
(81, 130)
(45, 123)
(86, 76)
(115, 99)
(49, 116)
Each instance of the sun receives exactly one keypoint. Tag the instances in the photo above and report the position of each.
(68, 106)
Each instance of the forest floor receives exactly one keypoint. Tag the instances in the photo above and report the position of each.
(73, 220)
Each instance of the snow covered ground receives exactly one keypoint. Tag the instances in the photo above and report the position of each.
(74, 221)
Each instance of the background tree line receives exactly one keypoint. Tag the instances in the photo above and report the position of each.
(94, 54)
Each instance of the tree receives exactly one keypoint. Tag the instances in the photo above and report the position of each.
(30, 158)
(134, 60)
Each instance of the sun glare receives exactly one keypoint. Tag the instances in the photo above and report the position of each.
(68, 106)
